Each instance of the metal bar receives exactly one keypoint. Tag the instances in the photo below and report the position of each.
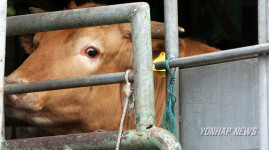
(216, 57)
(139, 16)
(68, 19)
(3, 14)
(172, 48)
(57, 84)
(263, 102)
(143, 73)
(263, 33)
(153, 138)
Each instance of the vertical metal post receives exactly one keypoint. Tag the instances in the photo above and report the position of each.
(172, 47)
(143, 74)
(263, 30)
(3, 15)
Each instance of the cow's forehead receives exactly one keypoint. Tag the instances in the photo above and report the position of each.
(108, 39)
(73, 34)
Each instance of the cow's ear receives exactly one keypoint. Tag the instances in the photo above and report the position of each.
(27, 42)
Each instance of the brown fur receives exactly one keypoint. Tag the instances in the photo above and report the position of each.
(56, 55)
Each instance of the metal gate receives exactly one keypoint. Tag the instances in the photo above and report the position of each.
(138, 15)
(145, 136)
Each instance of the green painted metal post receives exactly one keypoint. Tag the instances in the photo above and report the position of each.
(143, 74)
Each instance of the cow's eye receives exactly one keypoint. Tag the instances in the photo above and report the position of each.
(92, 52)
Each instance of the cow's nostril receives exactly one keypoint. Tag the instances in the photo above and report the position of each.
(17, 97)
(14, 97)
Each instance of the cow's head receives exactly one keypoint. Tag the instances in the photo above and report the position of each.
(74, 53)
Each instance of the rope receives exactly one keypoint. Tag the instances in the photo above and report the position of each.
(129, 98)
(168, 120)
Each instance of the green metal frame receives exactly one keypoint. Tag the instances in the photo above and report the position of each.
(146, 134)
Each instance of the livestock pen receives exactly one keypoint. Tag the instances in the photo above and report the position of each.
(144, 136)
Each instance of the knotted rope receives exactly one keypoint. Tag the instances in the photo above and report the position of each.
(168, 120)
(128, 104)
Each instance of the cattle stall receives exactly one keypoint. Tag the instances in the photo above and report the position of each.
(200, 104)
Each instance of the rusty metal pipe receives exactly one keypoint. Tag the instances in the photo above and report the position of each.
(66, 83)
(152, 138)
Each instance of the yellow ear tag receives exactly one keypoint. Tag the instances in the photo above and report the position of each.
(161, 57)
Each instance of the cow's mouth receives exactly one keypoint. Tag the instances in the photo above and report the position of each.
(15, 108)
(27, 102)
(17, 113)
(13, 100)
(26, 109)
(27, 117)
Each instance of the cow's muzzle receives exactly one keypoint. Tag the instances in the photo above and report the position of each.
(19, 100)
(14, 97)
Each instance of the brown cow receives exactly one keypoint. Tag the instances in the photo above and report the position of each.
(83, 52)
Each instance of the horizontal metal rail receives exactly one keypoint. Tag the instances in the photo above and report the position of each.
(112, 78)
(69, 19)
(216, 57)
(150, 139)
(57, 84)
